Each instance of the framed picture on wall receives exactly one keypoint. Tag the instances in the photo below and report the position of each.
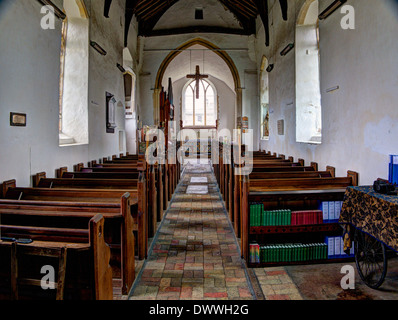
(110, 113)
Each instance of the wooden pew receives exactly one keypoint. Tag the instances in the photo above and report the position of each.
(83, 266)
(111, 179)
(166, 180)
(118, 208)
(161, 180)
(136, 188)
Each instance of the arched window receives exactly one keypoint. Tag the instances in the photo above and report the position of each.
(201, 112)
(308, 92)
(73, 99)
(264, 100)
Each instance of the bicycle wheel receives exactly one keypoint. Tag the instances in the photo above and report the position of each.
(370, 259)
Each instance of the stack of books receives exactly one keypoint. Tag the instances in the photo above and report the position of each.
(262, 218)
(331, 211)
(336, 248)
(307, 217)
(393, 170)
(296, 252)
(267, 218)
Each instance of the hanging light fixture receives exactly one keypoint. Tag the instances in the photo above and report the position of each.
(120, 67)
(270, 67)
(287, 49)
(98, 48)
(332, 8)
(58, 12)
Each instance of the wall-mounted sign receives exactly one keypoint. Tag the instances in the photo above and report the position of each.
(17, 119)
(281, 127)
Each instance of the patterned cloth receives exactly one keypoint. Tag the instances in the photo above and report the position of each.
(373, 213)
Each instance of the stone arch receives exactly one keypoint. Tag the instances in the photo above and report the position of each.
(304, 12)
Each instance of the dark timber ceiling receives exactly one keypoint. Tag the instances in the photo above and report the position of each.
(148, 13)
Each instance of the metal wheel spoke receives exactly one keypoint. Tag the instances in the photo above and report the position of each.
(370, 259)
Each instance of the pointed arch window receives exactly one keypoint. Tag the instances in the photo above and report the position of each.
(264, 100)
(308, 90)
(74, 67)
(201, 112)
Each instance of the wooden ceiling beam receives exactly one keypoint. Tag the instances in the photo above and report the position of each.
(247, 6)
(149, 7)
(147, 25)
(262, 6)
(130, 9)
(150, 12)
(247, 22)
(284, 8)
(107, 7)
(240, 15)
(196, 29)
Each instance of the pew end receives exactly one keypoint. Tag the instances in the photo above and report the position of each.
(59, 172)
(354, 177)
(78, 167)
(332, 171)
(37, 177)
(92, 163)
(315, 166)
(101, 255)
(7, 185)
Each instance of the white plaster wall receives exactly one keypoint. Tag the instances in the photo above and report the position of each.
(359, 119)
(29, 83)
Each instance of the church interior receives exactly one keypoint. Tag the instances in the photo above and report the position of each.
(198, 150)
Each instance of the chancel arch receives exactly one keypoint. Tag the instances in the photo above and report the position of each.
(200, 45)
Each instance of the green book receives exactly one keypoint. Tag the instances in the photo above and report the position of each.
(284, 254)
(258, 214)
(260, 211)
(251, 216)
(254, 216)
(301, 257)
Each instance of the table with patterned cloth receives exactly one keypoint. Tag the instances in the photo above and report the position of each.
(373, 213)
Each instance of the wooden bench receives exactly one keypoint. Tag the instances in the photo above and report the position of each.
(113, 180)
(156, 174)
(118, 208)
(83, 270)
(144, 189)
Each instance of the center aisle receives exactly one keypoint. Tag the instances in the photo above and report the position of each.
(194, 254)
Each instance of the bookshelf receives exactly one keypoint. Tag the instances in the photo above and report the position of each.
(295, 227)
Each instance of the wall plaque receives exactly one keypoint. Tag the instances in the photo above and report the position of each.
(17, 119)
(281, 127)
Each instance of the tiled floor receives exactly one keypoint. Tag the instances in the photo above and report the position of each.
(195, 254)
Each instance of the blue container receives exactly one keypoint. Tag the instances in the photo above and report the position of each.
(393, 169)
